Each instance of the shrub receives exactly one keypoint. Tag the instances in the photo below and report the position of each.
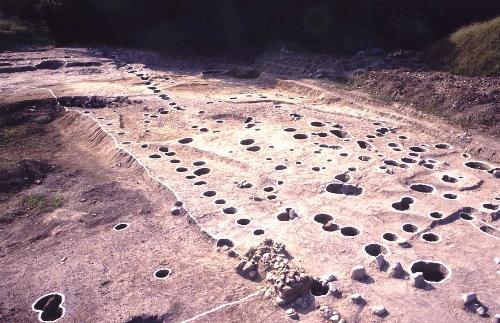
(471, 50)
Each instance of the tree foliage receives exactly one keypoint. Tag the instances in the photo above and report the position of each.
(252, 25)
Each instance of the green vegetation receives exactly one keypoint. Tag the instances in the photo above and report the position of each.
(471, 50)
(41, 203)
(8, 135)
(14, 32)
(13, 26)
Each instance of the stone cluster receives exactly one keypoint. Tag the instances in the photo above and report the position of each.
(283, 279)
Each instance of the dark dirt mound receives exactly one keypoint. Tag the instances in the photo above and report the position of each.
(23, 174)
(90, 102)
(40, 111)
(467, 101)
(52, 64)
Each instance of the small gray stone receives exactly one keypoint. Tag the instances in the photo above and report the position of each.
(175, 210)
(396, 270)
(326, 313)
(468, 298)
(358, 272)
(417, 280)
(293, 214)
(280, 301)
(379, 310)
(380, 262)
(334, 318)
(248, 266)
(403, 243)
(497, 260)
(356, 298)
(481, 311)
(496, 318)
(292, 314)
(239, 267)
(329, 278)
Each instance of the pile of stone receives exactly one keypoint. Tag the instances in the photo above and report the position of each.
(286, 282)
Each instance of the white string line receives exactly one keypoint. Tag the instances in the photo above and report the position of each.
(215, 309)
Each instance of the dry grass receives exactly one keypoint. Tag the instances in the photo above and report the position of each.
(471, 50)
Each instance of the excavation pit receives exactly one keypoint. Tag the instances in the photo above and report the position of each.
(410, 228)
(318, 289)
(375, 249)
(162, 273)
(349, 231)
(433, 271)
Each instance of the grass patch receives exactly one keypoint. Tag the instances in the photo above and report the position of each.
(471, 50)
(8, 135)
(41, 203)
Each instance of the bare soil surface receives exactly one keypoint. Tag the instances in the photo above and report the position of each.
(470, 103)
(324, 169)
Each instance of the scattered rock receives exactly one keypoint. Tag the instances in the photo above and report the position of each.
(469, 298)
(471, 303)
(292, 314)
(326, 311)
(334, 291)
(334, 318)
(280, 301)
(417, 280)
(329, 278)
(380, 262)
(175, 210)
(496, 318)
(357, 299)
(481, 311)
(396, 270)
(379, 310)
(358, 272)
(403, 243)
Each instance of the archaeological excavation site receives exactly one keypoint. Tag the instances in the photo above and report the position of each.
(249, 162)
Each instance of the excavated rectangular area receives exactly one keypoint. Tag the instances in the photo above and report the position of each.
(267, 158)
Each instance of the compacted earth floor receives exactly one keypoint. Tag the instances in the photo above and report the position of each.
(129, 191)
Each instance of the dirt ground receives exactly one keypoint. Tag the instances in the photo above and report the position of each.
(70, 247)
(124, 136)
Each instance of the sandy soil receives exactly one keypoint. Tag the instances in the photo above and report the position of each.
(237, 151)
